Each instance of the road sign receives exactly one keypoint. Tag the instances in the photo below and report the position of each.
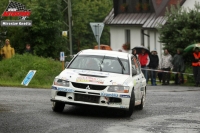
(64, 33)
(28, 77)
(62, 56)
(97, 29)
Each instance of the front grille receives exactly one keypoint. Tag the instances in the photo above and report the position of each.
(86, 98)
(60, 93)
(115, 100)
(88, 86)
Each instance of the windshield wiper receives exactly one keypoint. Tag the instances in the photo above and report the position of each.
(120, 62)
(102, 63)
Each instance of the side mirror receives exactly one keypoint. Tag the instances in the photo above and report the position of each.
(134, 72)
(66, 64)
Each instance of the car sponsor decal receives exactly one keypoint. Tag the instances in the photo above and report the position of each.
(89, 79)
(109, 94)
(65, 78)
(115, 103)
(125, 96)
(63, 89)
(124, 107)
(127, 81)
(92, 72)
(114, 83)
(134, 82)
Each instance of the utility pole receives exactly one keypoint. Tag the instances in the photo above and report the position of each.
(69, 23)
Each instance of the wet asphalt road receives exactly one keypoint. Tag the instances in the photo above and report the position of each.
(169, 109)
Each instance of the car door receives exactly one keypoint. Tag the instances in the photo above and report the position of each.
(136, 78)
(142, 80)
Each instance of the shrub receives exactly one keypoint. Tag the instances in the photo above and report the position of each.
(14, 70)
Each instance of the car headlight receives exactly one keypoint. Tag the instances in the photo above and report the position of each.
(61, 82)
(119, 89)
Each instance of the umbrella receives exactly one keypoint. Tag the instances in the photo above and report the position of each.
(191, 47)
(139, 49)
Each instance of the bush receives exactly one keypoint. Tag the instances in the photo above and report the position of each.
(14, 70)
(190, 78)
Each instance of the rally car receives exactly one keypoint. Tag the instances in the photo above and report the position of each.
(100, 78)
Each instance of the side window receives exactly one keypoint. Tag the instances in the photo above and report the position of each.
(135, 65)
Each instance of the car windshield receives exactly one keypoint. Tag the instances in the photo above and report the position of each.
(100, 63)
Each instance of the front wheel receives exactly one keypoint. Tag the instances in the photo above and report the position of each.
(141, 106)
(58, 106)
(129, 112)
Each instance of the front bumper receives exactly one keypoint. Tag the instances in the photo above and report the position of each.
(73, 96)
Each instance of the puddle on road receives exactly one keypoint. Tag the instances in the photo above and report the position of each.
(4, 108)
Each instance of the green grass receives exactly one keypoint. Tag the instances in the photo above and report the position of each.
(14, 70)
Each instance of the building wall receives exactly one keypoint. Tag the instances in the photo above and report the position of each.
(190, 3)
(117, 36)
(152, 42)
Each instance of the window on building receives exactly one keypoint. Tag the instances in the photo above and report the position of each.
(127, 36)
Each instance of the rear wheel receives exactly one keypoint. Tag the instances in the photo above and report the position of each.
(58, 106)
(129, 112)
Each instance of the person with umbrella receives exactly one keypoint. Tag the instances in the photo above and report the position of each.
(134, 53)
(144, 60)
(154, 62)
(196, 65)
(178, 66)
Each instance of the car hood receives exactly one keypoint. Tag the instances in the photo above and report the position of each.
(94, 77)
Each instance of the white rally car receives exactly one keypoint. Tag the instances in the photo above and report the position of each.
(100, 78)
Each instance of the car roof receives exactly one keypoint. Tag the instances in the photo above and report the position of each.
(104, 53)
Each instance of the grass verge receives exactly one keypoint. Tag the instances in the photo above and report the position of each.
(14, 70)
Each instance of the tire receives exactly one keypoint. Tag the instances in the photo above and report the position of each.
(141, 106)
(129, 112)
(58, 106)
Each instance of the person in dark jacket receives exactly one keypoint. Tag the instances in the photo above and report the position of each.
(196, 65)
(178, 66)
(28, 49)
(134, 53)
(154, 62)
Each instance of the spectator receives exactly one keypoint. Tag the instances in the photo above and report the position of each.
(154, 62)
(28, 49)
(144, 61)
(178, 66)
(166, 65)
(134, 53)
(196, 66)
(7, 51)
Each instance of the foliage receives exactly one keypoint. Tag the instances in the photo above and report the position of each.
(14, 70)
(84, 12)
(48, 22)
(182, 28)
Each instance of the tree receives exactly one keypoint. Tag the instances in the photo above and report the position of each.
(181, 29)
(48, 22)
(84, 12)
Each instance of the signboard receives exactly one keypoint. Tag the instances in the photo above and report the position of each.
(16, 9)
(16, 22)
(28, 77)
(64, 33)
(97, 29)
(62, 56)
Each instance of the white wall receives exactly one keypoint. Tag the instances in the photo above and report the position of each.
(154, 43)
(117, 36)
(190, 3)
